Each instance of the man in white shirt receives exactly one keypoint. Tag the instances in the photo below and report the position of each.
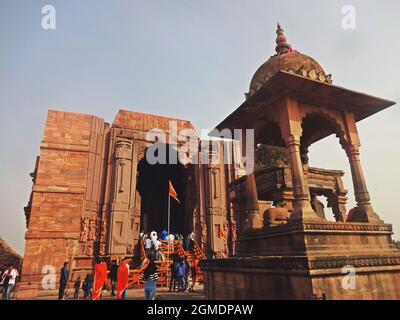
(147, 245)
(8, 281)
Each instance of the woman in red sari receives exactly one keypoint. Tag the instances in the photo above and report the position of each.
(100, 276)
(122, 278)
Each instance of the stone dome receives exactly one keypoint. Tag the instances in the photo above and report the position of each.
(288, 60)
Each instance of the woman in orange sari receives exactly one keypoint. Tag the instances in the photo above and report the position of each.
(100, 276)
(122, 279)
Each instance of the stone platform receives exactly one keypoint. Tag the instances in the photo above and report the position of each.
(308, 261)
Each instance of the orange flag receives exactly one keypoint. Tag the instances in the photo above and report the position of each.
(172, 192)
(100, 275)
(222, 234)
(122, 279)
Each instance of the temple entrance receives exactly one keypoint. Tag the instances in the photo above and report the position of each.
(152, 185)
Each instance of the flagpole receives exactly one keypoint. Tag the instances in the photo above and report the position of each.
(168, 240)
(169, 210)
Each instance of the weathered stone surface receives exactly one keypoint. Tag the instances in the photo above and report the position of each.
(304, 258)
(85, 199)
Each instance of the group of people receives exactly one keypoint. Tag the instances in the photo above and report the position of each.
(151, 241)
(180, 271)
(7, 283)
(86, 285)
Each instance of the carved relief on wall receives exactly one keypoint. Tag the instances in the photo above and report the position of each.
(123, 153)
(102, 249)
(203, 236)
(84, 230)
(103, 231)
(91, 230)
(123, 150)
(89, 250)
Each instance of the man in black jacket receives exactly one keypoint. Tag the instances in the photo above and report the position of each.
(63, 280)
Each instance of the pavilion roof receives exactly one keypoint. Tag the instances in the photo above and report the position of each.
(305, 90)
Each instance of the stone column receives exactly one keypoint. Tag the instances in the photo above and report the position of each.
(290, 123)
(253, 220)
(363, 212)
(302, 210)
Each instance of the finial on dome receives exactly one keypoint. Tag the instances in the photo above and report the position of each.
(283, 45)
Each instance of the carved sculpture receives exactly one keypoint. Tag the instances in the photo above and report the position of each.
(84, 230)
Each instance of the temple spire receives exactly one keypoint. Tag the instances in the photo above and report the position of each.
(283, 45)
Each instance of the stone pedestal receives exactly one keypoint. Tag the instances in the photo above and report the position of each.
(308, 261)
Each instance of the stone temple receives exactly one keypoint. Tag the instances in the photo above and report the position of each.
(94, 191)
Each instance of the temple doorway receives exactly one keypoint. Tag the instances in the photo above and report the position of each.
(152, 185)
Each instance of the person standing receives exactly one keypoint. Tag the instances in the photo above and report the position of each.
(100, 277)
(187, 274)
(77, 286)
(180, 273)
(147, 245)
(159, 255)
(192, 237)
(173, 280)
(87, 286)
(113, 276)
(63, 280)
(164, 235)
(123, 278)
(8, 281)
(194, 269)
(150, 275)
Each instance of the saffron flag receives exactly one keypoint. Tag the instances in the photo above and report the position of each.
(100, 276)
(122, 279)
(222, 234)
(172, 192)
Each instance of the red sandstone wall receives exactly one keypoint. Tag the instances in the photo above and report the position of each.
(58, 194)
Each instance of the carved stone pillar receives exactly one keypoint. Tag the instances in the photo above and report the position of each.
(302, 210)
(253, 220)
(363, 212)
(290, 122)
(123, 187)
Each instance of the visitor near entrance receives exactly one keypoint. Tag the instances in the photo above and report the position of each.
(173, 279)
(180, 274)
(77, 286)
(122, 279)
(8, 281)
(187, 274)
(150, 275)
(87, 287)
(147, 245)
(63, 280)
(194, 269)
(113, 276)
(100, 276)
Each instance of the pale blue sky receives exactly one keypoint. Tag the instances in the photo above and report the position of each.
(185, 59)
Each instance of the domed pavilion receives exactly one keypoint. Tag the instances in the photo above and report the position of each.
(292, 104)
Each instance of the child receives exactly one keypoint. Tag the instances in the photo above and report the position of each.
(77, 285)
(87, 287)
